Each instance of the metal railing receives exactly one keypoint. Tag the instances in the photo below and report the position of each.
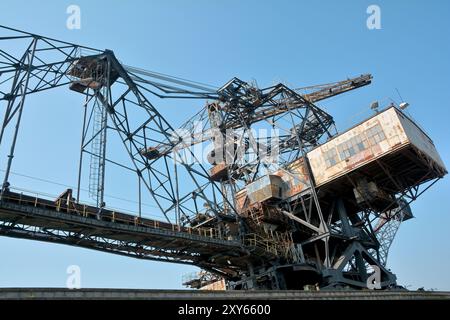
(88, 211)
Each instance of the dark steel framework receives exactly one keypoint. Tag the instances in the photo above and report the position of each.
(325, 239)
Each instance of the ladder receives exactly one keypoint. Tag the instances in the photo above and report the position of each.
(97, 160)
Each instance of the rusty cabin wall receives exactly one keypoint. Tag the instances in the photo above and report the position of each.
(419, 139)
(393, 138)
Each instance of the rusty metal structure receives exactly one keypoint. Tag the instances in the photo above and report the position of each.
(296, 207)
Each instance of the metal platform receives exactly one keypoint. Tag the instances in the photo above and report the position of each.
(143, 294)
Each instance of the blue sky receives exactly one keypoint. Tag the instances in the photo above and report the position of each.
(299, 43)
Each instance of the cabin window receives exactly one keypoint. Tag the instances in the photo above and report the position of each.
(331, 158)
(346, 150)
(360, 142)
(375, 134)
(352, 146)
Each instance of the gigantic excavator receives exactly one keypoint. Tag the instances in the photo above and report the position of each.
(280, 201)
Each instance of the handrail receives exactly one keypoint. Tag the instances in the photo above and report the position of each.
(88, 213)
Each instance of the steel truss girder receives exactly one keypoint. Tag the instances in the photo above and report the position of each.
(155, 175)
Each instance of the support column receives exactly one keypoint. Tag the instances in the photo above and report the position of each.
(23, 86)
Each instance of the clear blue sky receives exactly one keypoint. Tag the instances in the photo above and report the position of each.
(297, 42)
